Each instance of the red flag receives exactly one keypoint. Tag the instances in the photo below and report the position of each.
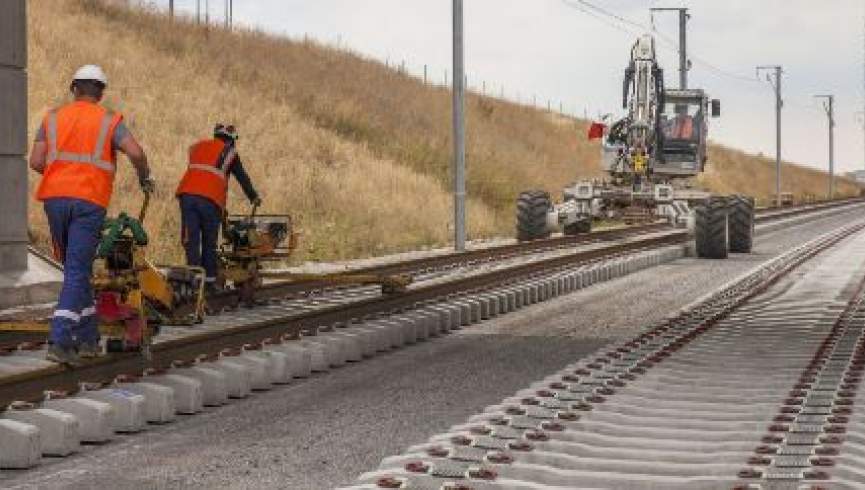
(596, 130)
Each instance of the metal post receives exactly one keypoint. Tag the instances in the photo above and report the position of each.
(198, 11)
(829, 107)
(231, 14)
(683, 42)
(171, 9)
(13, 136)
(424, 74)
(779, 104)
(459, 129)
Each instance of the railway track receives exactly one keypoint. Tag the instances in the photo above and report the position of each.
(319, 329)
(753, 387)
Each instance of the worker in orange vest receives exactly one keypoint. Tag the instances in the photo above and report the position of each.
(75, 150)
(202, 194)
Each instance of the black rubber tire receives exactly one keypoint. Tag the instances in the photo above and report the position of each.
(578, 228)
(741, 224)
(711, 229)
(532, 209)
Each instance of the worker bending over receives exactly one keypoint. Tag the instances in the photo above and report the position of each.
(76, 152)
(203, 193)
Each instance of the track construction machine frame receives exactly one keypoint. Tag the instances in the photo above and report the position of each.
(649, 155)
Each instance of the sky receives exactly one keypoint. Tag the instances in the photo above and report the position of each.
(564, 53)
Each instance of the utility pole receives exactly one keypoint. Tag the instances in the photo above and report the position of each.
(198, 12)
(171, 9)
(779, 104)
(459, 129)
(684, 64)
(207, 12)
(829, 107)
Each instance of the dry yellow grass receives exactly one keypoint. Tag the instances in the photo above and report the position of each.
(360, 154)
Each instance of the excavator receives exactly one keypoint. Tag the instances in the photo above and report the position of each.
(650, 156)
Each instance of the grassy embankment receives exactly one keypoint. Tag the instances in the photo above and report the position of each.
(357, 152)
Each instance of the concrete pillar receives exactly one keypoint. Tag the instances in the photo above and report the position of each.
(13, 136)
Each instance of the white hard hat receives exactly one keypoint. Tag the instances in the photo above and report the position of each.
(91, 72)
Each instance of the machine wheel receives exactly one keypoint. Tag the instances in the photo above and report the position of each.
(711, 229)
(532, 209)
(580, 227)
(741, 224)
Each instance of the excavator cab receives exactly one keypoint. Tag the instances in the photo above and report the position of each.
(683, 132)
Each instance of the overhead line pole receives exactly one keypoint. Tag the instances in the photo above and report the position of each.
(459, 128)
(779, 104)
(829, 107)
(684, 64)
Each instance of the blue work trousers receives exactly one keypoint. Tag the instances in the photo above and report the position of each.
(76, 228)
(200, 221)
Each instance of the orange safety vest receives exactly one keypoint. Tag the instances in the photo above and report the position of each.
(207, 175)
(81, 162)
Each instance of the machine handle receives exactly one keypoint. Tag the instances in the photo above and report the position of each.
(143, 213)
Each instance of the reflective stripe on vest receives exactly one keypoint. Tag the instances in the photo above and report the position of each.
(94, 159)
(220, 169)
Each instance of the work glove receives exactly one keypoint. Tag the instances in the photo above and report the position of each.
(256, 202)
(148, 185)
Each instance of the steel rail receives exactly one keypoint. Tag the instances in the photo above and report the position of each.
(31, 385)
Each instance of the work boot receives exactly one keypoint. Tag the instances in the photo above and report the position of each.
(62, 356)
(90, 351)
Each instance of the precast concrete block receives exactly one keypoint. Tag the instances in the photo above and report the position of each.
(319, 355)
(392, 331)
(465, 310)
(440, 319)
(421, 325)
(354, 343)
(21, 447)
(95, 418)
(475, 309)
(277, 365)
(335, 349)
(259, 368)
(238, 377)
(188, 392)
(483, 306)
(214, 383)
(299, 357)
(407, 327)
(58, 431)
(158, 401)
(534, 293)
(377, 339)
(128, 408)
(431, 321)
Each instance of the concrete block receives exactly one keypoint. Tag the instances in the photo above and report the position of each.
(188, 392)
(465, 311)
(320, 355)
(128, 408)
(353, 345)
(392, 331)
(158, 401)
(277, 365)
(238, 377)
(440, 319)
(333, 348)
(409, 330)
(21, 447)
(426, 324)
(214, 383)
(95, 418)
(534, 293)
(378, 338)
(299, 358)
(259, 370)
(58, 431)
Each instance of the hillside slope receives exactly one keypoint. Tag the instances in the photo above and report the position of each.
(358, 153)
